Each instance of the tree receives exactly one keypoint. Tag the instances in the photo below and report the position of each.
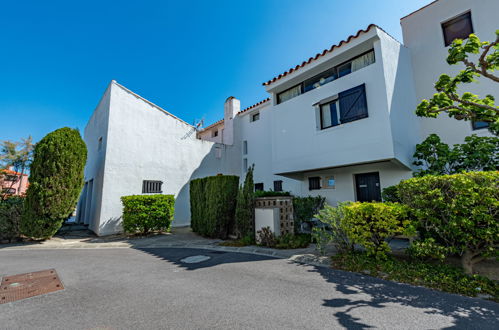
(478, 153)
(467, 106)
(56, 180)
(18, 155)
(245, 206)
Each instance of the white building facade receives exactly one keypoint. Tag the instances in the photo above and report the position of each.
(341, 125)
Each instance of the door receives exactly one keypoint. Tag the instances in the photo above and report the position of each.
(368, 187)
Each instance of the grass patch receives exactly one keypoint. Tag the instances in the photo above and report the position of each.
(245, 241)
(290, 241)
(432, 275)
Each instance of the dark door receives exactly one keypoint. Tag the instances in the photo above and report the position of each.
(367, 186)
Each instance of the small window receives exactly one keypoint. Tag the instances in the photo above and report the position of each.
(329, 115)
(363, 61)
(289, 94)
(214, 133)
(255, 116)
(344, 69)
(11, 178)
(9, 191)
(319, 80)
(314, 183)
(457, 28)
(245, 147)
(99, 145)
(278, 185)
(151, 186)
(258, 186)
(245, 165)
(479, 124)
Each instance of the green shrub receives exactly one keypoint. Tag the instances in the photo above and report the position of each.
(55, 182)
(145, 213)
(244, 241)
(266, 237)
(434, 275)
(305, 208)
(456, 213)
(390, 194)
(372, 224)
(10, 217)
(287, 241)
(335, 232)
(270, 193)
(213, 205)
(245, 207)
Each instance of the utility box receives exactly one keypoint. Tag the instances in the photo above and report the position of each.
(267, 217)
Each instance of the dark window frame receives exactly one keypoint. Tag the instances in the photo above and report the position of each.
(259, 186)
(152, 187)
(464, 16)
(277, 185)
(346, 92)
(314, 183)
(253, 115)
(322, 118)
(476, 127)
(335, 71)
(214, 133)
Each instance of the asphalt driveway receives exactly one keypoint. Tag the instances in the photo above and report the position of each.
(152, 288)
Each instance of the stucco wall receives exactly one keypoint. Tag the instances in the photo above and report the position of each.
(423, 35)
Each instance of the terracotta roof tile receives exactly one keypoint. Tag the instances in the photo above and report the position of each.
(254, 105)
(319, 55)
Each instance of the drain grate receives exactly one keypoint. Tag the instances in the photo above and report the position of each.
(21, 286)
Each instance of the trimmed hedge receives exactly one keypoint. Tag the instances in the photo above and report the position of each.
(55, 182)
(456, 214)
(245, 208)
(213, 205)
(372, 224)
(145, 213)
(10, 217)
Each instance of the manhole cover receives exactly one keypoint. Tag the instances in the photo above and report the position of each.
(17, 287)
(194, 259)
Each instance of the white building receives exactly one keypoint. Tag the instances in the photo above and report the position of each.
(340, 125)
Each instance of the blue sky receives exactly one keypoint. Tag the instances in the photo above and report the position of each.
(57, 57)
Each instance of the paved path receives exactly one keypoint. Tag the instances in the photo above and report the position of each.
(150, 288)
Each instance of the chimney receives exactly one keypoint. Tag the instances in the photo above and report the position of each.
(231, 107)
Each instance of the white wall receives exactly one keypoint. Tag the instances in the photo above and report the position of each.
(423, 35)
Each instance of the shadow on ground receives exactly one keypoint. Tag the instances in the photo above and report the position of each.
(366, 291)
(175, 256)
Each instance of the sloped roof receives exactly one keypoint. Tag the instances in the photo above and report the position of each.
(319, 55)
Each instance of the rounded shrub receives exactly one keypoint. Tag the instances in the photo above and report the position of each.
(56, 180)
(372, 224)
(456, 214)
(145, 213)
(10, 217)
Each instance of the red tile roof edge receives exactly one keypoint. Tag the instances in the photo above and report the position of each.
(431, 3)
(319, 55)
(6, 171)
(240, 112)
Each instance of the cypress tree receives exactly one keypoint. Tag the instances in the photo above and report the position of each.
(56, 180)
(245, 206)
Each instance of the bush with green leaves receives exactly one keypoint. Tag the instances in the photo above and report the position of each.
(335, 231)
(270, 193)
(55, 182)
(305, 208)
(245, 207)
(434, 275)
(390, 194)
(372, 225)
(287, 241)
(456, 213)
(477, 153)
(143, 214)
(10, 217)
(213, 205)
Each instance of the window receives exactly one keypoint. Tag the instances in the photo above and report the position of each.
(150, 186)
(329, 75)
(255, 116)
(329, 115)
(353, 104)
(245, 165)
(289, 94)
(11, 178)
(479, 124)
(314, 183)
(457, 28)
(278, 185)
(258, 186)
(245, 147)
(99, 144)
(9, 191)
(214, 133)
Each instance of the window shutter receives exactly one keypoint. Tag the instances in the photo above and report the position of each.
(314, 183)
(353, 104)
